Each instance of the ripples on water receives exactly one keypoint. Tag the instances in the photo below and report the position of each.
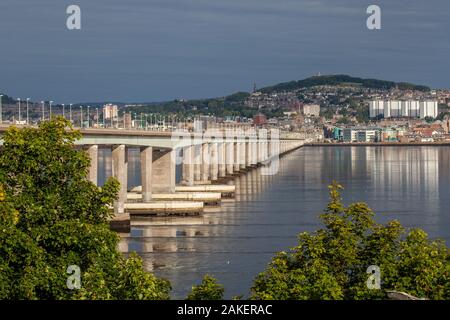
(236, 241)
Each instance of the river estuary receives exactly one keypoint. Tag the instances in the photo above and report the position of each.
(235, 241)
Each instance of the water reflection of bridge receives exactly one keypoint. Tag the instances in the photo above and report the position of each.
(188, 234)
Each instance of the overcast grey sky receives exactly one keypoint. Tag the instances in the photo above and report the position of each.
(152, 50)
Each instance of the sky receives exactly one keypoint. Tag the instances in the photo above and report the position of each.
(157, 50)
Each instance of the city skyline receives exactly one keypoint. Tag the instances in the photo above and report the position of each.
(146, 51)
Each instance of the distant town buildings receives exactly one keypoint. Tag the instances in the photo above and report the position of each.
(127, 121)
(361, 135)
(418, 132)
(259, 119)
(446, 123)
(110, 111)
(397, 108)
(311, 110)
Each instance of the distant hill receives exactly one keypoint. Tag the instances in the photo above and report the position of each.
(234, 103)
(341, 79)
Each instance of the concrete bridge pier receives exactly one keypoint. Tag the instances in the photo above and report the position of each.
(205, 162)
(242, 155)
(146, 173)
(273, 146)
(265, 149)
(188, 165)
(197, 163)
(248, 154)
(120, 172)
(261, 152)
(214, 157)
(254, 153)
(163, 171)
(229, 157)
(92, 152)
(236, 158)
(222, 160)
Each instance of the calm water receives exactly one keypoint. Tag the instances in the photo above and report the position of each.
(236, 241)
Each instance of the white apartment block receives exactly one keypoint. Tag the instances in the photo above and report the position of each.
(110, 111)
(397, 108)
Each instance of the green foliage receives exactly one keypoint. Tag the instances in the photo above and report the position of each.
(429, 119)
(332, 262)
(442, 115)
(52, 216)
(209, 289)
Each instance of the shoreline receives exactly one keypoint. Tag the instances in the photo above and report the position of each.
(378, 144)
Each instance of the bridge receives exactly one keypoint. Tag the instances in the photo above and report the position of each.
(207, 157)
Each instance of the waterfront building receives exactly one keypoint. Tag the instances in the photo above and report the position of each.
(338, 134)
(393, 134)
(361, 135)
(407, 108)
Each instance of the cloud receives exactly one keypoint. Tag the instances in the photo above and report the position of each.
(160, 49)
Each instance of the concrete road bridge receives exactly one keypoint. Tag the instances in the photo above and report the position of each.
(206, 157)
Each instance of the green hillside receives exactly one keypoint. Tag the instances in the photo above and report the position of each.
(341, 79)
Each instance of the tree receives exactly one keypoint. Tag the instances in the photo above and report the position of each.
(429, 119)
(332, 263)
(53, 217)
(209, 289)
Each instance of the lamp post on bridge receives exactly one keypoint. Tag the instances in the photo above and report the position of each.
(96, 109)
(43, 110)
(88, 116)
(70, 113)
(28, 113)
(81, 117)
(18, 99)
(50, 117)
(64, 110)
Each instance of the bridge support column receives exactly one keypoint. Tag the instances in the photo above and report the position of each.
(163, 171)
(254, 153)
(214, 156)
(92, 152)
(146, 173)
(120, 172)
(242, 155)
(273, 146)
(265, 150)
(188, 165)
(248, 154)
(222, 160)
(237, 157)
(197, 162)
(205, 162)
(260, 151)
(229, 157)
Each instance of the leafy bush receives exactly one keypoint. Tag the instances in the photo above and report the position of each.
(209, 289)
(332, 263)
(52, 216)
